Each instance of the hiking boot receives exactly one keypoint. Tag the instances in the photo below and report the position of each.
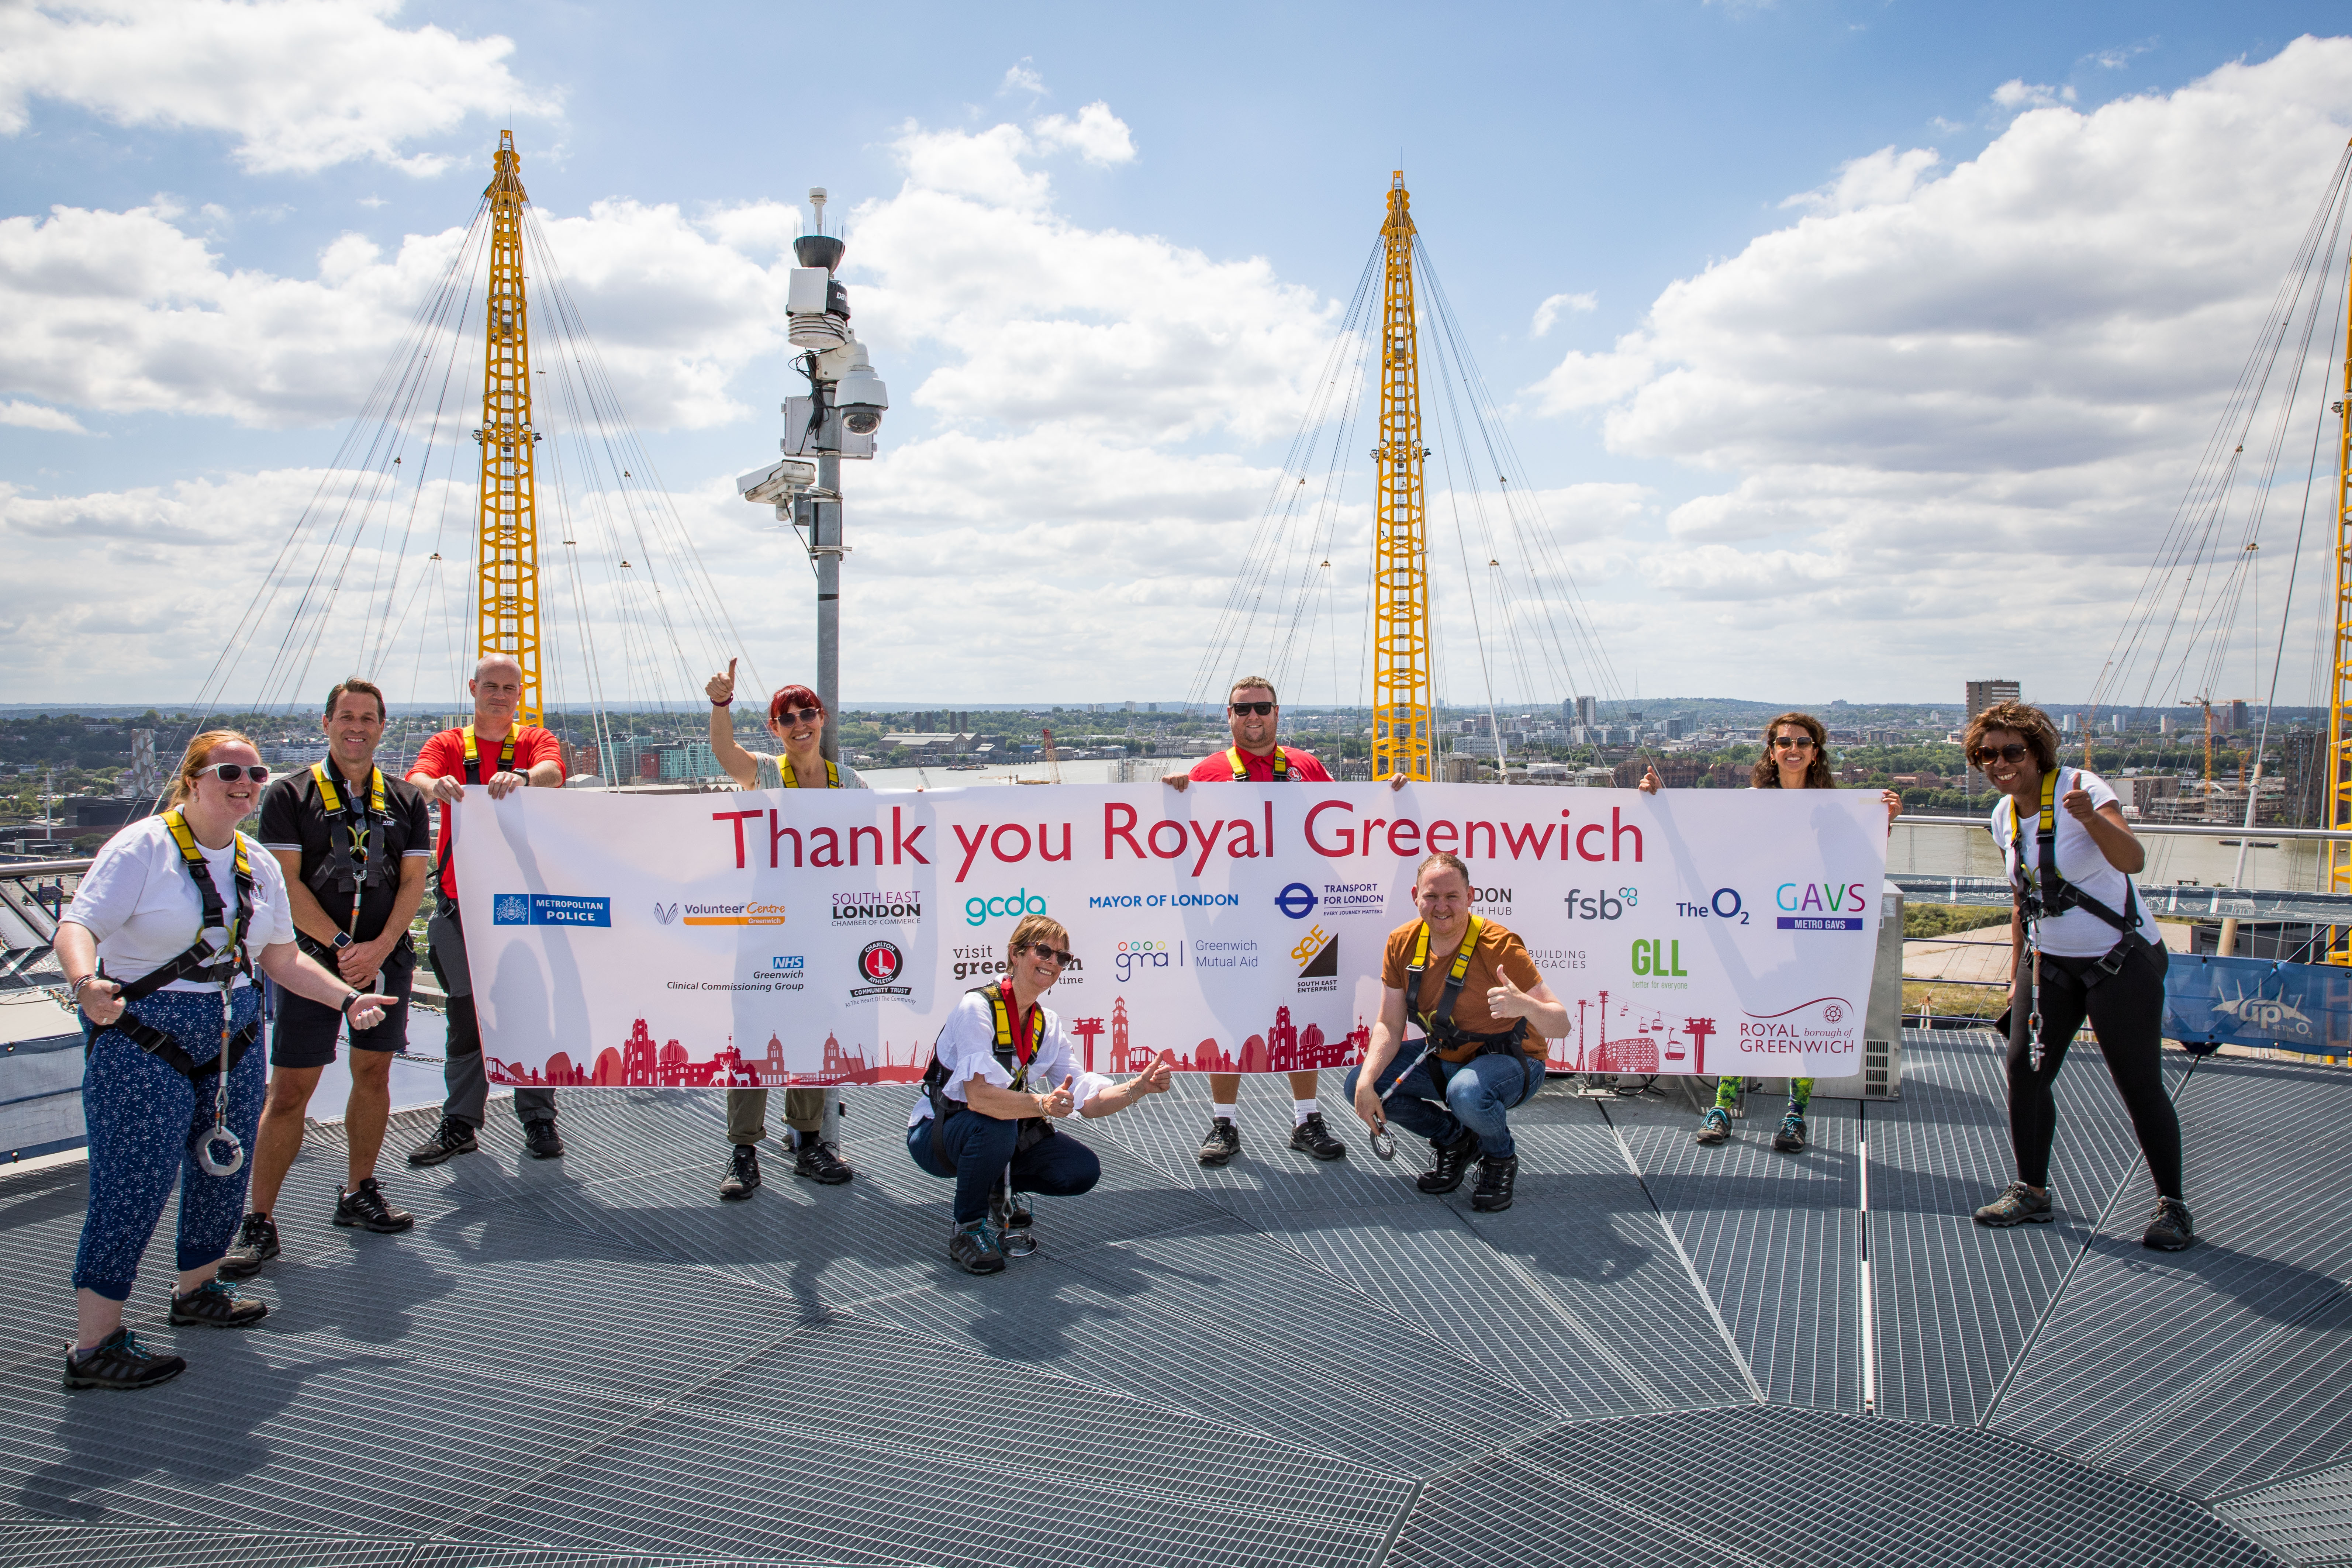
(1496, 1175)
(975, 1248)
(822, 1164)
(1224, 1141)
(1790, 1138)
(1453, 1164)
(742, 1178)
(214, 1304)
(1013, 1214)
(1311, 1137)
(365, 1205)
(1714, 1127)
(452, 1137)
(541, 1139)
(2017, 1205)
(2170, 1230)
(256, 1244)
(120, 1360)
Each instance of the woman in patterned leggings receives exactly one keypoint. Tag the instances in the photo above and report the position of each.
(1796, 756)
(140, 906)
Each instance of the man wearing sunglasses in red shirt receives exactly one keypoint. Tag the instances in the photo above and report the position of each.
(1254, 715)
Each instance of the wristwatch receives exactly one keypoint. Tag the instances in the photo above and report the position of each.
(343, 941)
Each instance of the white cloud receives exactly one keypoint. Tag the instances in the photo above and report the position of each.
(1097, 135)
(2018, 93)
(1022, 77)
(1983, 388)
(302, 85)
(1548, 313)
(33, 416)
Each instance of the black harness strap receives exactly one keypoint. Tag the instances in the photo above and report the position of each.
(1009, 1055)
(200, 961)
(1438, 1022)
(2051, 895)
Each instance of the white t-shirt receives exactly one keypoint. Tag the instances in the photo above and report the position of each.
(138, 899)
(2077, 933)
(967, 1046)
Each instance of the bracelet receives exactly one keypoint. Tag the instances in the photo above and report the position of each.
(728, 703)
(73, 991)
(346, 1008)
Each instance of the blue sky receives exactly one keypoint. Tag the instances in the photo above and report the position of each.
(1644, 166)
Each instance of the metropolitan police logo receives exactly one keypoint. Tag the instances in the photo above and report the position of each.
(510, 909)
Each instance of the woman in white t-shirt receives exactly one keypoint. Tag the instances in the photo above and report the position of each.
(2085, 948)
(153, 1104)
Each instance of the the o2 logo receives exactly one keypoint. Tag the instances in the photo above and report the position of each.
(1723, 904)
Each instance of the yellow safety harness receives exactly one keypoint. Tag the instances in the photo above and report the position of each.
(358, 825)
(792, 778)
(1282, 774)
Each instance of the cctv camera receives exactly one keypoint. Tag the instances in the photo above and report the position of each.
(861, 397)
(776, 482)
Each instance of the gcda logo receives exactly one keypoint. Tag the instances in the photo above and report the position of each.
(1020, 902)
(878, 963)
(1318, 956)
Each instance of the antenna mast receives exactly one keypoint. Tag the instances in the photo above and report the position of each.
(505, 595)
(1402, 739)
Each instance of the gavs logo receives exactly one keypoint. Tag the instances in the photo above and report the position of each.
(1020, 902)
(878, 963)
(1820, 906)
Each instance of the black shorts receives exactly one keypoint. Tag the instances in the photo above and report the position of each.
(304, 1034)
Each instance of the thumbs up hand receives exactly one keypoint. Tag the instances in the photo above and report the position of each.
(1059, 1102)
(720, 689)
(1155, 1078)
(1505, 1000)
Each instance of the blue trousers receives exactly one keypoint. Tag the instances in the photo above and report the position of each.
(1438, 1099)
(980, 1146)
(145, 1119)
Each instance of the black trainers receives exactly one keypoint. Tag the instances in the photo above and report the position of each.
(2016, 1205)
(365, 1205)
(1714, 1127)
(742, 1178)
(452, 1137)
(975, 1248)
(1224, 1141)
(1453, 1164)
(256, 1244)
(214, 1304)
(1496, 1179)
(820, 1161)
(1790, 1138)
(1311, 1137)
(541, 1139)
(120, 1360)
(2170, 1230)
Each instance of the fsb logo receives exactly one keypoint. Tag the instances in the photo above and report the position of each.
(1020, 902)
(1599, 904)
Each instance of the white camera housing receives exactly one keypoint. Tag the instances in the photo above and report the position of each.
(776, 482)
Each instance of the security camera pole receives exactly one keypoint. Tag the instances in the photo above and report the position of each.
(836, 420)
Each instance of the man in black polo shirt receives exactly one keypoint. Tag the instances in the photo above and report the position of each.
(357, 848)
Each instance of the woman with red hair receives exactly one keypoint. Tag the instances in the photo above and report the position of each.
(796, 719)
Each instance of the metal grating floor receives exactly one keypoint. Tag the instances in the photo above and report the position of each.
(1656, 1356)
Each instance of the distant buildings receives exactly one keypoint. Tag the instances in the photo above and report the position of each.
(1984, 694)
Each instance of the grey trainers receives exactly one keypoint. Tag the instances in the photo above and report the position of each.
(2016, 1205)
(214, 1304)
(1790, 1138)
(2170, 1230)
(1222, 1142)
(256, 1244)
(120, 1360)
(1714, 1127)
(975, 1249)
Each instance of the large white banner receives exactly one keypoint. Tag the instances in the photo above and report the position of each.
(822, 937)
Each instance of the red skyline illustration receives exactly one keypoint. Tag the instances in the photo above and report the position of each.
(640, 1062)
(1638, 1051)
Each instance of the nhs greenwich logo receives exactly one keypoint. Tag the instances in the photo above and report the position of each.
(548, 909)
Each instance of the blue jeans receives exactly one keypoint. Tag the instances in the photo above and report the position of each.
(980, 1147)
(1438, 1099)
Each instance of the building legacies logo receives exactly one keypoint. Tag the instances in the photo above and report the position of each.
(878, 963)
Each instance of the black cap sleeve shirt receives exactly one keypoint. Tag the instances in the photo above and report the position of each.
(293, 817)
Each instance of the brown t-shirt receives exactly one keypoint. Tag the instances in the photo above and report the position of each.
(1498, 952)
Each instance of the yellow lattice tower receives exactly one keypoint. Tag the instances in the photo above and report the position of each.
(2340, 747)
(506, 597)
(1402, 741)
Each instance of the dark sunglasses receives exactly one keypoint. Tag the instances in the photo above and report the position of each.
(1793, 742)
(1064, 959)
(230, 772)
(800, 716)
(2012, 752)
(1260, 708)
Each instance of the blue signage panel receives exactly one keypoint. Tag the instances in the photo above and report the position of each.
(2257, 1002)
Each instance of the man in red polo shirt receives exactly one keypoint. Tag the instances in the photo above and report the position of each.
(1254, 715)
(501, 757)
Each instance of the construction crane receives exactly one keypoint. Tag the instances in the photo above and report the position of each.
(1402, 742)
(2339, 749)
(505, 589)
(2207, 704)
(1053, 762)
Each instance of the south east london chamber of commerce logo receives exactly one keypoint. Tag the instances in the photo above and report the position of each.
(1318, 955)
(878, 964)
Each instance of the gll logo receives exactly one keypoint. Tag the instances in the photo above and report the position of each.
(880, 961)
(665, 912)
(1296, 901)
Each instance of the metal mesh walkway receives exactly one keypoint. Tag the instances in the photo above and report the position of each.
(1656, 1356)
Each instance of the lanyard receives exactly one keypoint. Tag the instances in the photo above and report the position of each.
(362, 832)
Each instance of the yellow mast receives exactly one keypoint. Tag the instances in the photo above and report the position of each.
(2339, 748)
(1401, 741)
(506, 598)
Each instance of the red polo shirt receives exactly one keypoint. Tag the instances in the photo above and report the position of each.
(1220, 768)
(444, 757)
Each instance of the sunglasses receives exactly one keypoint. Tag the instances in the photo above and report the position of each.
(1260, 708)
(230, 772)
(800, 716)
(2012, 752)
(1062, 959)
(1793, 742)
